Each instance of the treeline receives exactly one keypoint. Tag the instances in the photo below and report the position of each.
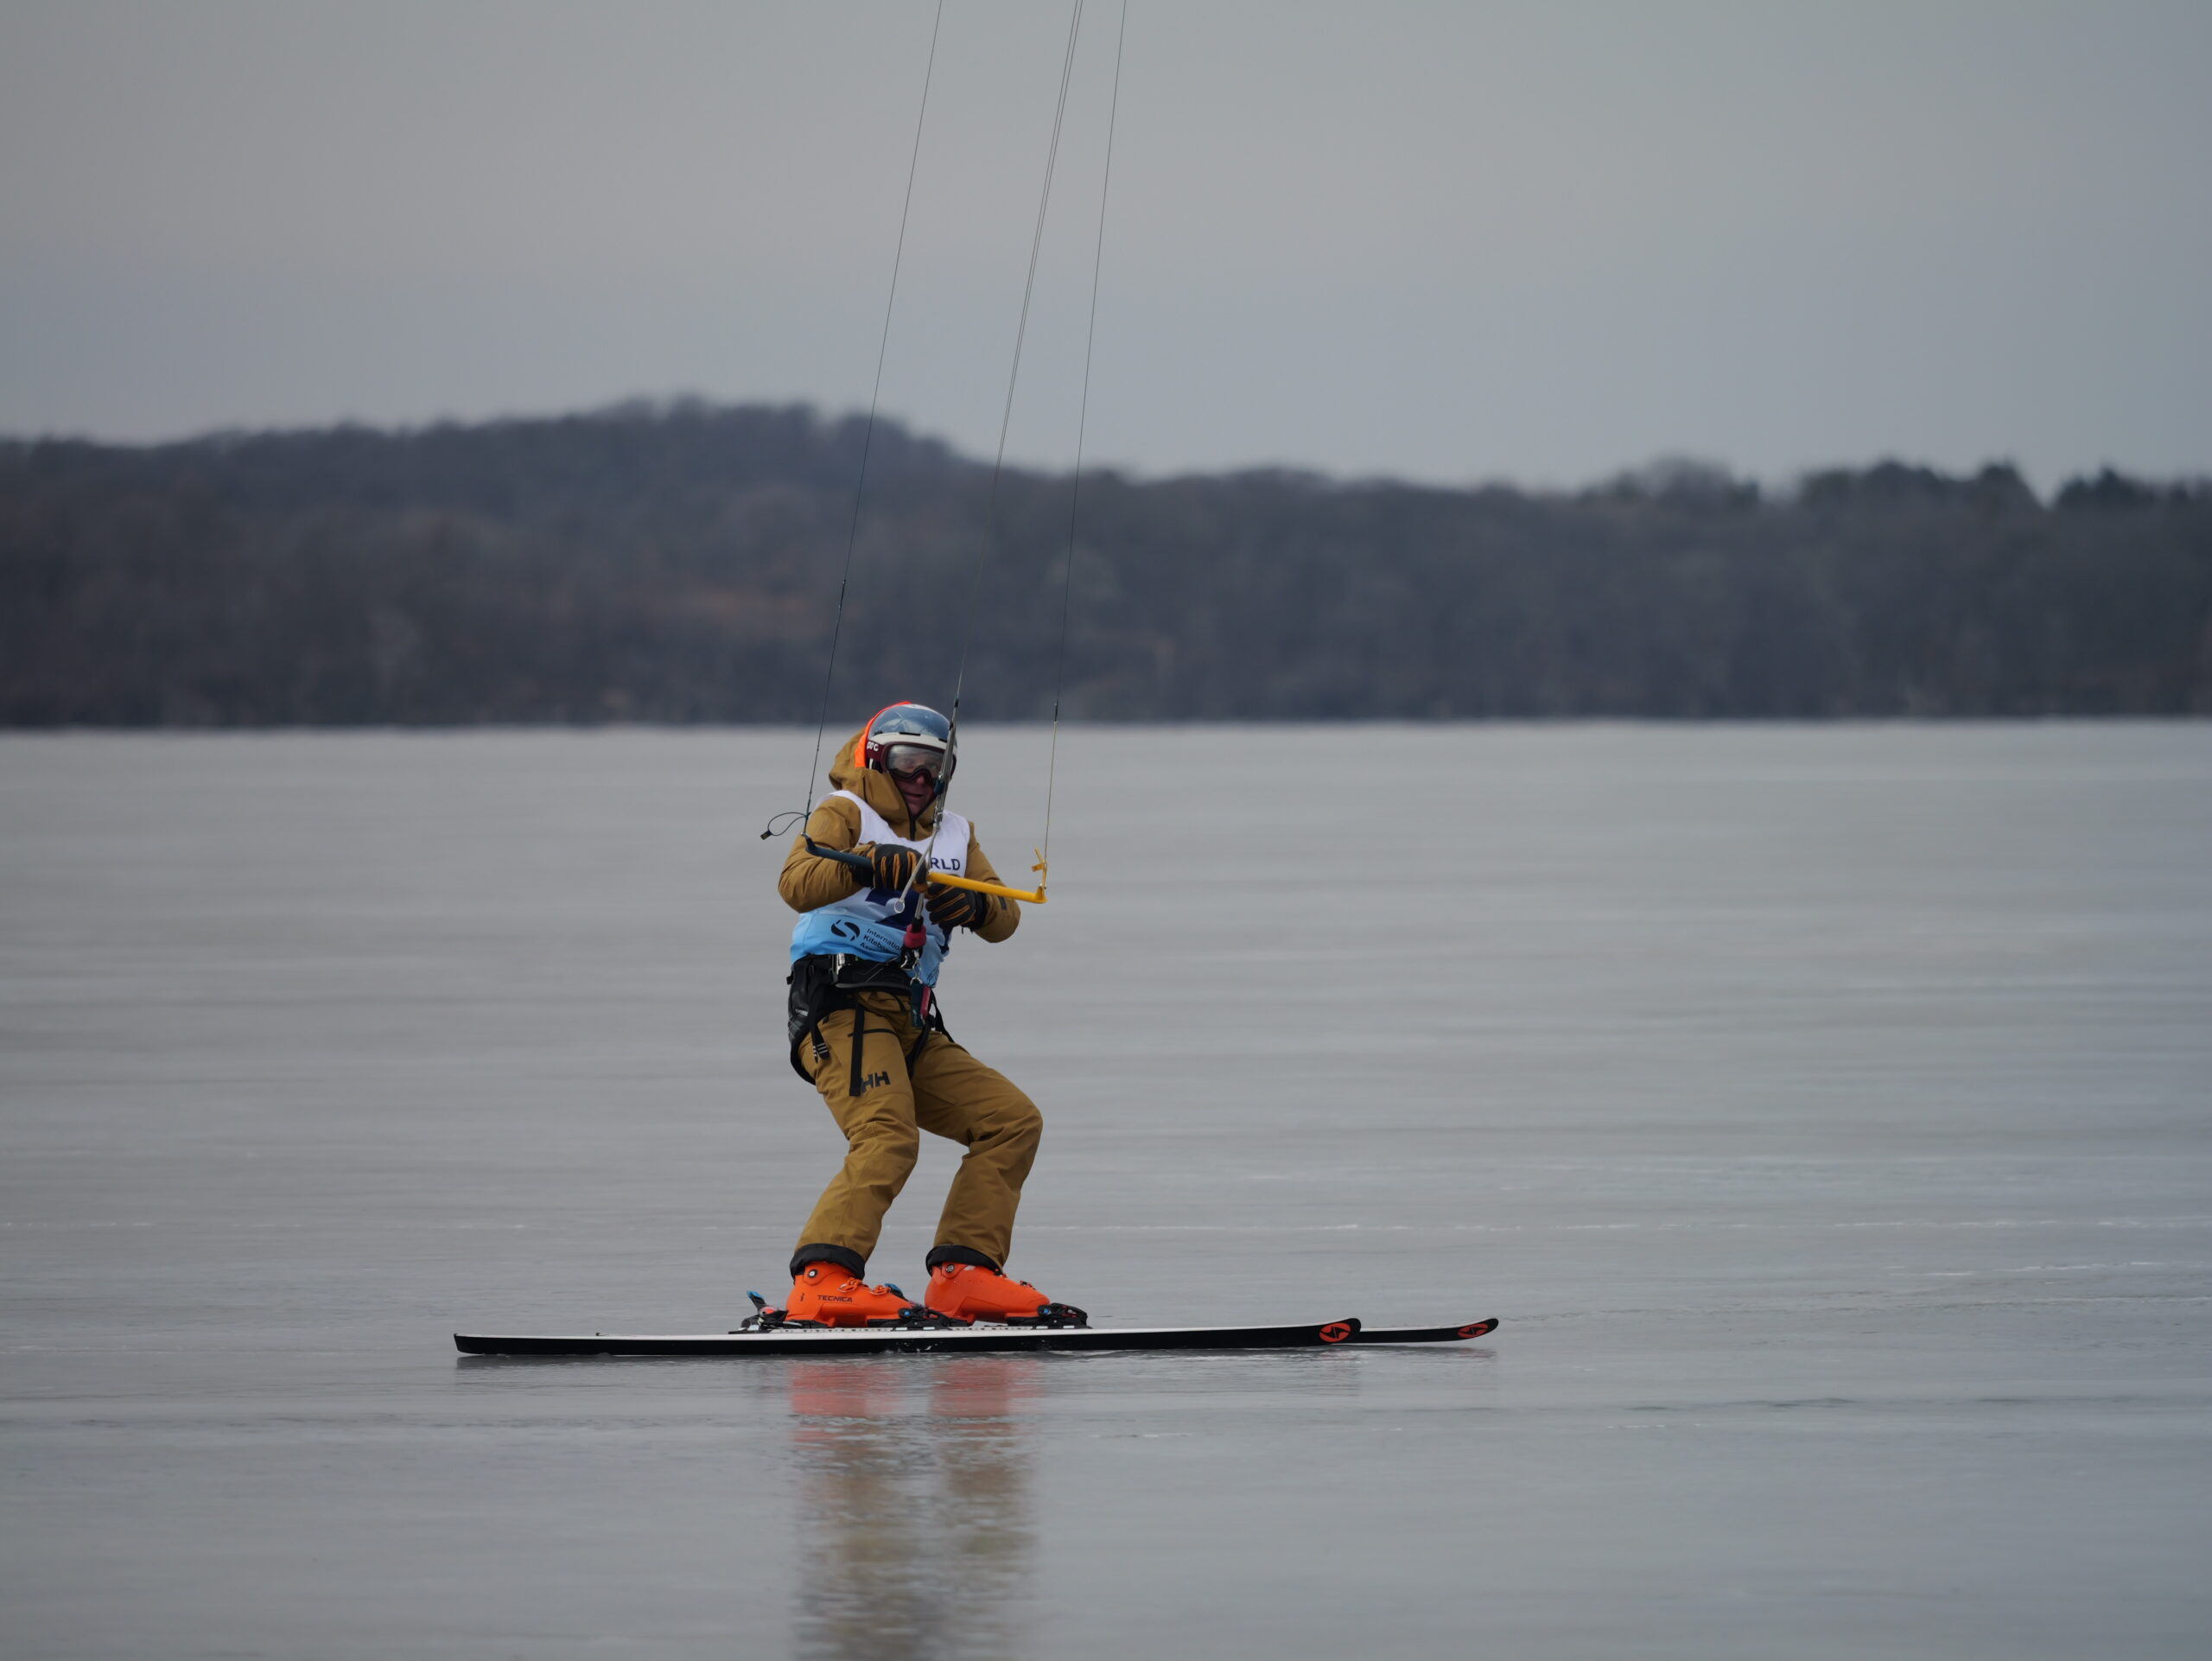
(681, 563)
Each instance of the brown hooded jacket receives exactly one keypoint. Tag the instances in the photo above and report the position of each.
(810, 881)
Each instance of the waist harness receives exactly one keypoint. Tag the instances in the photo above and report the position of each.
(823, 983)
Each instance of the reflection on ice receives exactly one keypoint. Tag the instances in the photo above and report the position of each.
(917, 1519)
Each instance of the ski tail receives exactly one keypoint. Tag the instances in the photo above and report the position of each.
(1425, 1334)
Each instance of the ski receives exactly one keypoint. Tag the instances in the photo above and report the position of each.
(982, 1338)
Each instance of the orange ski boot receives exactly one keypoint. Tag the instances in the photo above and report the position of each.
(969, 1292)
(831, 1297)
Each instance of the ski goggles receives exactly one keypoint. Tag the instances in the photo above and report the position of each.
(914, 762)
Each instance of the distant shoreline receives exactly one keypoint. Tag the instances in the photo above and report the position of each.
(677, 565)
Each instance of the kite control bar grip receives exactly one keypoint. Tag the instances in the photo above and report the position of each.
(861, 863)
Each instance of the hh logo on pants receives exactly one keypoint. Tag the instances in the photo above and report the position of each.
(874, 1080)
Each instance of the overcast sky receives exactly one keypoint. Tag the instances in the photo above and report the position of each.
(1538, 241)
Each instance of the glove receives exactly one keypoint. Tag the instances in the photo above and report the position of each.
(951, 908)
(893, 866)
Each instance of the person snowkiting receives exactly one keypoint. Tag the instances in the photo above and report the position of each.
(865, 1031)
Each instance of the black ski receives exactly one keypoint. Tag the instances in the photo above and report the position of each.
(982, 1337)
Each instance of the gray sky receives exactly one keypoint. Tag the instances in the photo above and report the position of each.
(1535, 241)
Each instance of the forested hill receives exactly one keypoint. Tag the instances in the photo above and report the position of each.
(681, 563)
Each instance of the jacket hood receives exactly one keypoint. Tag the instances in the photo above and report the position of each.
(876, 789)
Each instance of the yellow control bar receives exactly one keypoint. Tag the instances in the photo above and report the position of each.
(860, 864)
(1035, 898)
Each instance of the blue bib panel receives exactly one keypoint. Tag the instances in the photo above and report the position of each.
(872, 923)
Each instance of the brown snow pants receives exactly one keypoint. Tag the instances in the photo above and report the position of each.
(910, 1081)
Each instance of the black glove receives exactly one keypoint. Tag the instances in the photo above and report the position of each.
(951, 908)
(893, 866)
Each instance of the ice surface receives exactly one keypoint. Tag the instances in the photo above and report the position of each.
(1827, 1111)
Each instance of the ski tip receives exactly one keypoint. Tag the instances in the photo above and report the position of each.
(1479, 1328)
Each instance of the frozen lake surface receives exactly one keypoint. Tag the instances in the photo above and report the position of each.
(1827, 1113)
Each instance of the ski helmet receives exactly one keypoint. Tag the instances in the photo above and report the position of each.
(908, 738)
